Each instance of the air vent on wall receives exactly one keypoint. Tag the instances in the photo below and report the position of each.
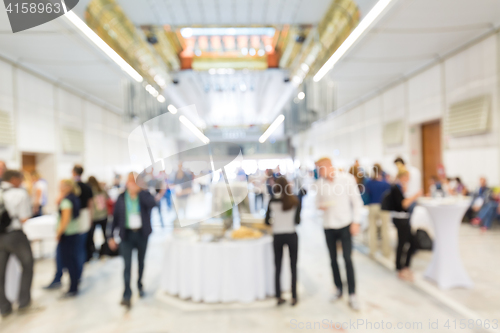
(72, 140)
(468, 117)
(394, 133)
(6, 132)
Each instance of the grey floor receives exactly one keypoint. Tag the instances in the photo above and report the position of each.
(385, 299)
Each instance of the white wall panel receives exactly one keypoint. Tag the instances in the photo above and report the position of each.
(472, 163)
(70, 110)
(393, 103)
(425, 98)
(36, 117)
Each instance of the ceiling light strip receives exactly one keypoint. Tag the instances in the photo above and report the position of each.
(351, 39)
(272, 128)
(77, 22)
(194, 129)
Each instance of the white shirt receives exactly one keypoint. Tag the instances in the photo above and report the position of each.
(282, 222)
(415, 182)
(42, 186)
(342, 198)
(17, 203)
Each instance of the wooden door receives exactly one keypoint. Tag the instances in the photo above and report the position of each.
(29, 163)
(431, 152)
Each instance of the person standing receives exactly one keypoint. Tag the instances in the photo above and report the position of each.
(68, 233)
(282, 216)
(414, 185)
(40, 193)
(16, 210)
(399, 203)
(339, 198)
(99, 216)
(376, 187)
(183, 188)
(132, 220)
(85, 218)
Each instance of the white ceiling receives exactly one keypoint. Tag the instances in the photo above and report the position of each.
(412, 34)
(224, 12)
(58, 51)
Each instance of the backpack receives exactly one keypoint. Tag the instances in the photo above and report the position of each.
(5, 219)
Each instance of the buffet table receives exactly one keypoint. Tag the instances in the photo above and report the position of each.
(224, 271)
(446, 267)
(38, 229)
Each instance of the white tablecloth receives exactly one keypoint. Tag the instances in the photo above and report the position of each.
(226, 271)
(446, 267)
(36, 229)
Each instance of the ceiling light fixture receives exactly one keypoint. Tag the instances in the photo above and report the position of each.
(301, 95)
(272, 128)
(351, 39)
(172, 109)
(194, 129)
(77, 22)
(161, 99)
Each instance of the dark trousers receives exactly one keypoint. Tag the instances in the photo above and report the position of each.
(82, 252)
(90, 238)
(404, 237)
(292, 241)
(16, 243)
(332, 237)
(70, 258)
(158, 205)
(133, 240)
(81, 257)
(38, 212)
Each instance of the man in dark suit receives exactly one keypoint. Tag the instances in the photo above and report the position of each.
(132, 219)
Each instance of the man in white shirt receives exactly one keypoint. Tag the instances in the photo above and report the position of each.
(339, 198)
(13, 240)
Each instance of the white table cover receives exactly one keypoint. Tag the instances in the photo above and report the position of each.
(38, 228)
(226, 271)
(446, 267)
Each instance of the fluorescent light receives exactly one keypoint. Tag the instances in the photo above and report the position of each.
(355, 34)
(304, 67)
(172, 109)
(297, 80)
(77, 22)
(186, 32)
(272, 128)
(301, 95)
(194, 129)
(161, 99)
(261, 52)
(252, 52)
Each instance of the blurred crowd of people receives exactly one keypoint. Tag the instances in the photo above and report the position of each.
(123, 213)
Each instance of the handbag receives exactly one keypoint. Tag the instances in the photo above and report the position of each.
(424, 241)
